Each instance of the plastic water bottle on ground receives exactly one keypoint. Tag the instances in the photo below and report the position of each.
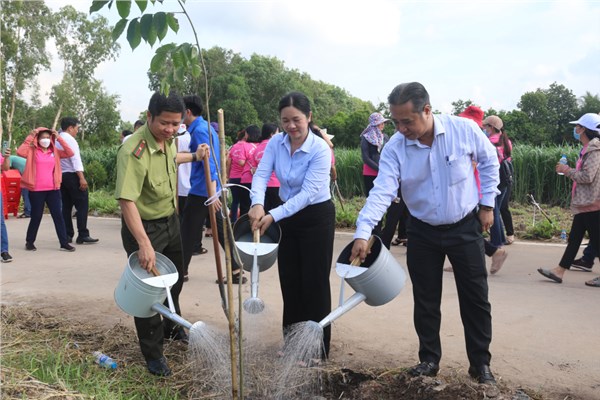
(563, 160)
(104, 361)
(563, 236)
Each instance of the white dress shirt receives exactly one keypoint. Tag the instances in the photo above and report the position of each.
(71, 164)
(184, 169)
(304, 176)
(438, 182)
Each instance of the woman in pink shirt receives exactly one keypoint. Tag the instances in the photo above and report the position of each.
(235, 165)
(272, 198)
(43, 176)
(252, 140)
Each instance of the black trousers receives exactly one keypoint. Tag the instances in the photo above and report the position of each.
(427, 249)
(395, 216)
(590, 222)
(505, 212)
(304, 261)
(272, 199)
(245, 201)
(52, 199)
(72, 196)
(166, 239)
(194, 215)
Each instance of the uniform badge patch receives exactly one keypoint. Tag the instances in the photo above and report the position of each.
(139, 149)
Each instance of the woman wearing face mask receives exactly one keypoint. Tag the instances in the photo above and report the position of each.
(302, 162)
(585, 196)
(43, 176)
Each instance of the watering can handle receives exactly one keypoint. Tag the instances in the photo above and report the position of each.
(256, 236)
(155, 271)
(356, 261)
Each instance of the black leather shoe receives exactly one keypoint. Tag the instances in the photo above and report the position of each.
(482, 374)
(29, 246)
(424, 368)
(86, 240)
(158, 367)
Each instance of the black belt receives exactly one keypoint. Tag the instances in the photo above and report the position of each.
(447, 227)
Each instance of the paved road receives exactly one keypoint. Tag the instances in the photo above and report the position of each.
(545, 335)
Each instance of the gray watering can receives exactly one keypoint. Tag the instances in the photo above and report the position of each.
(377, 281)
(257, 253)
(141, 294)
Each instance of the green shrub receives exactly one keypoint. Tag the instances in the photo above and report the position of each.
(95, 174)
(103, 202)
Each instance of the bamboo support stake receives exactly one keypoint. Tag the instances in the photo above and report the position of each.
(237, 391)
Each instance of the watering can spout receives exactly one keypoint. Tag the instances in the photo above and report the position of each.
(348, 305)
(165, 312)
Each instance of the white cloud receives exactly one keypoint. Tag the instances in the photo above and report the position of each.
(488, 51)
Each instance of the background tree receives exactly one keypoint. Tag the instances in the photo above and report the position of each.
(459, 106)
(24, 29)
(82, 44)
(589, 103)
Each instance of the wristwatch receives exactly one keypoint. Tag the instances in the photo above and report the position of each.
(486, 208)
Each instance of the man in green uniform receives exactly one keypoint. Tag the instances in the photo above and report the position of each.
(147, 192)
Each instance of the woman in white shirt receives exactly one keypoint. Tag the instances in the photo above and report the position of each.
(302, 162)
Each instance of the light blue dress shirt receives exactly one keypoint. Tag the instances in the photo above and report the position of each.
(304, 175)
(438, 182)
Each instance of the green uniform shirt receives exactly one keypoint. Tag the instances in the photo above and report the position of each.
(146, 175)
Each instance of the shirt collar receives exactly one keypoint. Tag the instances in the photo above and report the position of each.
(438, 129)
(306, 146)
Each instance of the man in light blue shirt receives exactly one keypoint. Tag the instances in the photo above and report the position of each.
(431, 155)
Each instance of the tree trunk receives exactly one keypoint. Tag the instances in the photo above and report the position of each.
(13, 99)
(57, 116)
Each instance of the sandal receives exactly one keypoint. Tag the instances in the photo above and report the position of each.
(594, 282)
(396, 241)
(23, 216)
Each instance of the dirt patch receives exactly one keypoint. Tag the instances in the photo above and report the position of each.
(24, 326)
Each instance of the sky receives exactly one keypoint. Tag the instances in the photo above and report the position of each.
(490, 52)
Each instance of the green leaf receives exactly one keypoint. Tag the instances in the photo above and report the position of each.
(173, 23)
(196, 70)
(160, 23)
(118, 29)
(141, 4)
(97, 5)
(164, 86)
(194, 53)
(157, 62)
(179, 74)
(134, 36)
(145, 25)
(167, 48)
(124, 7)
(178, 59)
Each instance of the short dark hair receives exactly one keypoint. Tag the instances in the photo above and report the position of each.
(66, 122)
(297, 100)
(591, 134)
(137, 124)
(194, 104)
(267, 130)
(253, 132)
(126, 132)
(412, 91)
(160, 103)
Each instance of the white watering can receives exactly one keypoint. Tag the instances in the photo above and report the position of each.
(377, 281)
(141, 294)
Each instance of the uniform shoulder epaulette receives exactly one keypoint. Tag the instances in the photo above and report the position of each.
(138, 151)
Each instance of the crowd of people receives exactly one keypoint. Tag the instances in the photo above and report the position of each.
(440, 182)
